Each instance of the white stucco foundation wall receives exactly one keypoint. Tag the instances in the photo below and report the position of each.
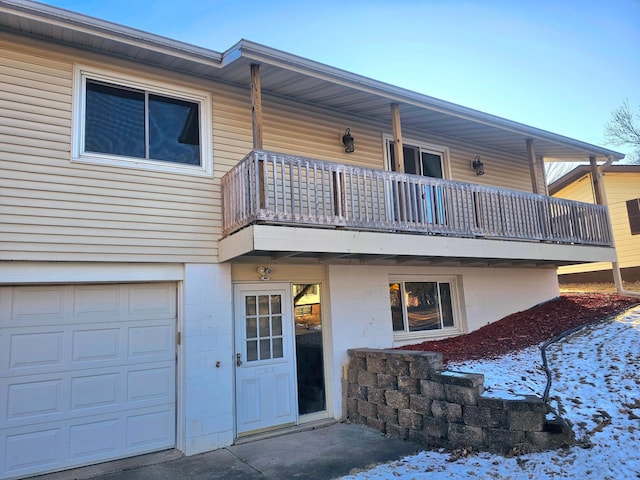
(493, 293)
(360, 314)
(207, 338)
(360, 317)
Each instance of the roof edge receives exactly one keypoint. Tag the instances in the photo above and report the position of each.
(128, 35)
(581, 170)
(262, 53)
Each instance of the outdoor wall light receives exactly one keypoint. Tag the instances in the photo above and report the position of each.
(264, 273)
(478, 166)
(347, 141)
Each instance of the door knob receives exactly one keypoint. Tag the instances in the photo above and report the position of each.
(238, 359)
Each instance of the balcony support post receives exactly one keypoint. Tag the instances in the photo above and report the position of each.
(256, 126)
(531, 153)
(256, 107)
(595, 180)
(397, 137)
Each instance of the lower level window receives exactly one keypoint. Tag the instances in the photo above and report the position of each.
(418, 306)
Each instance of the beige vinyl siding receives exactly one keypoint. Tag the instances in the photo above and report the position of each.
(232, 135)
(620, 187)
(313, 132)
(56, 210)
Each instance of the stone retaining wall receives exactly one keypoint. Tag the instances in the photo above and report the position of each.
(407, 394)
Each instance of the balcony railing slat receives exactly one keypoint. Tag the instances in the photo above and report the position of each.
(286, 189)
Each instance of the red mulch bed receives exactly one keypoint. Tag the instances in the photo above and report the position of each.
(531, 327)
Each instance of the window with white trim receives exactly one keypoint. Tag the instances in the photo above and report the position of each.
(125, 121)
(420, 306)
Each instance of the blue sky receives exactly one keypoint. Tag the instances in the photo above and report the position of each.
(560, 65)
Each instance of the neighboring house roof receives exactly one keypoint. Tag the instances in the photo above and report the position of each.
(582, 170)
(290, 76)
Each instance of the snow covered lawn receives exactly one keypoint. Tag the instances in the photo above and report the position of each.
(596, 385)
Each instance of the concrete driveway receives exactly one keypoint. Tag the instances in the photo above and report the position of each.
(322, 453)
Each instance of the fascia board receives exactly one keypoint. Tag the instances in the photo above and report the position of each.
(110, 31)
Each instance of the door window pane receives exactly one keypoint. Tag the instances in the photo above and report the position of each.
(252, 331)
(277, 348)
(265, 349)
(264, 327)
(276, 306)
(252, 350)
(410, 164)
(417, 161)
(250, 305)
(276, 325)
(309, 348)
(263, 304)
(431, 165)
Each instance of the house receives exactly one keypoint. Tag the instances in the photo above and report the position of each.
(170, 213)
(623, 199)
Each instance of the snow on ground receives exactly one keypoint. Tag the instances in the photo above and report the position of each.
(596, 385)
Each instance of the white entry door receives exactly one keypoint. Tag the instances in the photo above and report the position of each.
(265, 358)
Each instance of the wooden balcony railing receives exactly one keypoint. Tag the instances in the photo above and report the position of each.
(283, 189)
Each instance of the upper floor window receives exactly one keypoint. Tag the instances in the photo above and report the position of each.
(125, 122)
(633, 210)
(418, 159)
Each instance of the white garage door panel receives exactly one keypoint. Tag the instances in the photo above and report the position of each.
(62, 397)
(31, 451)
(97, 344)
(87, 374)
(89, 440)
(35, 350)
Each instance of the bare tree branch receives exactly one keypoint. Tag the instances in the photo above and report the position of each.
(623, 128)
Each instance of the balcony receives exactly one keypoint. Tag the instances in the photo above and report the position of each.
(268, 188)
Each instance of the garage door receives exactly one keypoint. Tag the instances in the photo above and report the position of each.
(87, 374)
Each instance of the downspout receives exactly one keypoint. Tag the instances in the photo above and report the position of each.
(615, 267)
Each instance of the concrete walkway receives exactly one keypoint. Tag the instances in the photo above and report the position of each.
(320, 454)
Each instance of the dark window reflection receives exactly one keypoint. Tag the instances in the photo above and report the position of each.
(417, 306)
(115, 124)
(114, 120)
(309, 353)
(174, 132)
